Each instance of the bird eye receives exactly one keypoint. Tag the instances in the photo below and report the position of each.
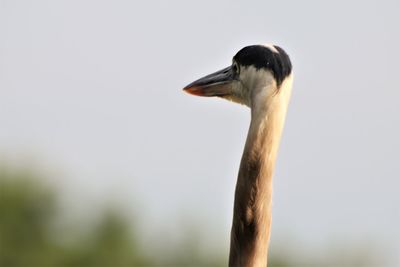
(235, 67)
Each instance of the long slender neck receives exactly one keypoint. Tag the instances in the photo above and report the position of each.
(253, 197)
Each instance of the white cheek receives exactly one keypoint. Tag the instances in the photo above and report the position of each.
(257, 79)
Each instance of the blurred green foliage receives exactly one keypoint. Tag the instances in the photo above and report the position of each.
(29, 237)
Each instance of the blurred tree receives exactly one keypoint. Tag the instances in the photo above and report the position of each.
(28, 212)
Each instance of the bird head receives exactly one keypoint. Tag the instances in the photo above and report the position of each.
(256, 70)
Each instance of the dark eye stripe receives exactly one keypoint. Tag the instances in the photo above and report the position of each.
(263, 57)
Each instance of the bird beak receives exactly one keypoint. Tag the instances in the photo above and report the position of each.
(216, 84)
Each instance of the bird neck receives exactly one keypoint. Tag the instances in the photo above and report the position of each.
(253, 196)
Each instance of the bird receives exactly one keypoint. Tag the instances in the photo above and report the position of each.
(260, 77)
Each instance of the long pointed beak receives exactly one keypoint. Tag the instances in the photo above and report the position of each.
(216, 84)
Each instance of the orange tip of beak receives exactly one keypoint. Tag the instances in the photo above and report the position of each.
(194, 90)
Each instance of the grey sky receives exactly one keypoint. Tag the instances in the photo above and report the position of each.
(92, 90)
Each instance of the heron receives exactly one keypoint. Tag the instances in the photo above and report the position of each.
(260, 77)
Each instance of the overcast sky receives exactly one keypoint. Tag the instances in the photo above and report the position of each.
(91, 90)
